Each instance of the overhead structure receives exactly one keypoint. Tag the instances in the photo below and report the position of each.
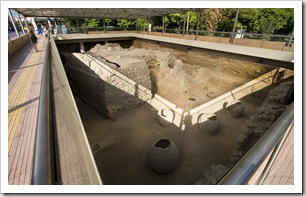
(109, 13)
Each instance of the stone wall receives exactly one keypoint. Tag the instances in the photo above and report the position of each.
(102, 87)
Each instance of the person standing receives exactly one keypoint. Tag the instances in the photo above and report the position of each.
(30, 27)
(33, 40)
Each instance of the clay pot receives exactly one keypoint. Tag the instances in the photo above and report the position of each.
(163, 156)
(208, 124)
(235, 109)
(165, 117)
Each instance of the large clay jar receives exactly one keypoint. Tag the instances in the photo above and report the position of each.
(163, 156)
(165, 117)
(234, 109)
(209, 124)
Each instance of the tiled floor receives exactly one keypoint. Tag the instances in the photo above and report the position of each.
(282, 171)
(24, 78)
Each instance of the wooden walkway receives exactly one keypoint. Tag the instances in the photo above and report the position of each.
(24, 79)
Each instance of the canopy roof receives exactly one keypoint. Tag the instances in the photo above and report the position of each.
(109, 13)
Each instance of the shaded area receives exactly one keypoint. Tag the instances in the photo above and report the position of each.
(23, 104)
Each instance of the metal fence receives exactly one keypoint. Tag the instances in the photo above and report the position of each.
(220, 34)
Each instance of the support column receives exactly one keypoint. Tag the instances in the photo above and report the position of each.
(233, 33)
(184, 26)
(150, 25)
(163, 24)
(13, 22)
(82, 48)
(104, 26)
(198, 23)
(78, 27)
(187, 23)
(21, 24)
(49, 22)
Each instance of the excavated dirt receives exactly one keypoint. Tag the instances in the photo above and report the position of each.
(187, 79)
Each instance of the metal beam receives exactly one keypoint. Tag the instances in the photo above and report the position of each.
(111, 13)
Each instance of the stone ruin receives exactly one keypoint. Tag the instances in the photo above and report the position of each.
(178, 75)
(273, 106)
(114, 95)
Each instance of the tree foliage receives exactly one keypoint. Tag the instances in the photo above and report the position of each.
(256, 20)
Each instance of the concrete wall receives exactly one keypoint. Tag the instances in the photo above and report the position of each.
(77, 164)
(16, 44)
(110, 32)
(281, 46)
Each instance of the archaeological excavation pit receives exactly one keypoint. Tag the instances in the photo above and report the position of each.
(131, 94)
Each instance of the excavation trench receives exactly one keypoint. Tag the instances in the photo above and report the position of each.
(129, 98)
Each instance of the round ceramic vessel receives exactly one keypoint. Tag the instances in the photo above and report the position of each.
(163, 156)
(209, 124)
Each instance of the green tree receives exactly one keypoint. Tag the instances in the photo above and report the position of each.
(175, 20)
(141, 23)
(193, 20)
(272, 19)
(92, 22)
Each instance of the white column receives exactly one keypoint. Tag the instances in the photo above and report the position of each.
(82, 47)
(13, 22)
(21, 23)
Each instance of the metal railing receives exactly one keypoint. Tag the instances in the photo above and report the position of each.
(43, 172)
(220, 34)
(54, 126)
(241, 173)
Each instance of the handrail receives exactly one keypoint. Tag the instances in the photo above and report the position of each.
(43, 172)
(247, 166)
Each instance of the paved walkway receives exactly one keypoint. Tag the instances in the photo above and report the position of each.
(24, 79)
(282, 171)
